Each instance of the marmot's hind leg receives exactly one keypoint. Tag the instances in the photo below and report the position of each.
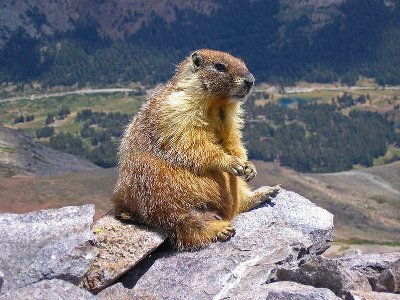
(258, 197)
(197, 230)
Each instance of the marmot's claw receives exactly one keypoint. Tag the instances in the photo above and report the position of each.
(248, 178)
(239, 170)
(250, 171)
(234, 172)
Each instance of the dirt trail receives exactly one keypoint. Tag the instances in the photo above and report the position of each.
(78, 92)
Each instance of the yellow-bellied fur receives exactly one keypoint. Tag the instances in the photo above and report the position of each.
(178, 156)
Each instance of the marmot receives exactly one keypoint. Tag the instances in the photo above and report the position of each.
(181, 158)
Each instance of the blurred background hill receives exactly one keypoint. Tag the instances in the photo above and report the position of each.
(283, 41)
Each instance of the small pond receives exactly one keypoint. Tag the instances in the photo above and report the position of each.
(293, 101)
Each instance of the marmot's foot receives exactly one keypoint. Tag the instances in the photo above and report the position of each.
(264, 193)
(225, 234)
(268, 191)
(194, 234)
(223, 230)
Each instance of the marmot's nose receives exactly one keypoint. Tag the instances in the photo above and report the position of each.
(249, 80)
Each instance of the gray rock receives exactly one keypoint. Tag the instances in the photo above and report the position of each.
(46, 244)
(121, 246)
(381, 270)
(360, 295)
(48, 289)
(287, 231)
(117, 291)
(323, 272)
(352, 271)
(291, 290)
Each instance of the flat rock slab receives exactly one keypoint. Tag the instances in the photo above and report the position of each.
(121, 246)
(288, 231)
(49, 289)
(46, 244)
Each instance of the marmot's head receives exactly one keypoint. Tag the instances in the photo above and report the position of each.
(217, 74)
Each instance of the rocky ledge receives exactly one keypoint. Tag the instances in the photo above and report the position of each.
(289, 230)
(62, 254)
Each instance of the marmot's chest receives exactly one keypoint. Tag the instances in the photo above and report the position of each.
(220, 125)
(217, 117)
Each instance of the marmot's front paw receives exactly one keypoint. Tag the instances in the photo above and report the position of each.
(250, 171)
(236, 166)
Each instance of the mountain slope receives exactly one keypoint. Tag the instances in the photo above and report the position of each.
(18, 152)
(113, 20)
(67, 42)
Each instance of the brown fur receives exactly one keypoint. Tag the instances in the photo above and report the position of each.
(181, 157)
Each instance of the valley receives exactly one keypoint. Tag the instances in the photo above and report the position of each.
(89, 122)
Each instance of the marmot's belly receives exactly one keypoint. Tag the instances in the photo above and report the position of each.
(160, 188)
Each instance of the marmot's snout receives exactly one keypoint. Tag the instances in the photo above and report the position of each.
(243, 86)
(249, 81)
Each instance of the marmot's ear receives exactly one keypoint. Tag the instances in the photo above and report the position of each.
(196, 58)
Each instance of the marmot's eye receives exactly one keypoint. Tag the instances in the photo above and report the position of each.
(220, 67)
